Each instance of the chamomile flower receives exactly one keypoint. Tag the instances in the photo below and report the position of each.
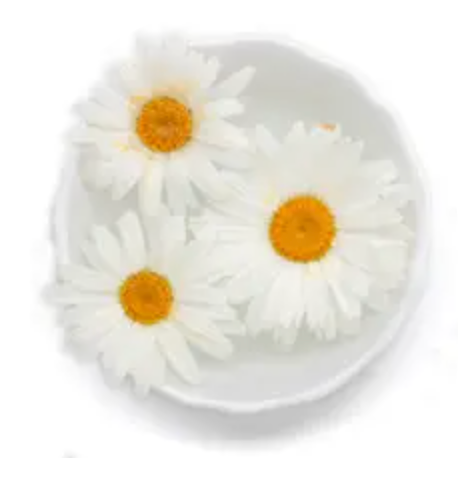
(161, 122)
(142, 298)
(313, 236)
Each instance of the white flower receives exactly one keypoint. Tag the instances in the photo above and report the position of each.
(161, 122)
(142, 298)
(313, 235)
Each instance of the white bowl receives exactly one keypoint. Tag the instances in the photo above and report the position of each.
(292, 83)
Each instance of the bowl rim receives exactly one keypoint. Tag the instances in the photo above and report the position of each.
(418, 269)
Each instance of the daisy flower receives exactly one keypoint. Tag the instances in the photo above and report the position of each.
(313, 236)
(161, 121)
(142, 299)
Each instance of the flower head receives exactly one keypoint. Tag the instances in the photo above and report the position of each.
(142, 298)
(313, 235)
(161, 122)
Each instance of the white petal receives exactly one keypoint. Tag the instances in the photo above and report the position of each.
(226, 231)
(190, 263)
(251, 280)
(337, 163)
(111, 346)
(93, 257)
(329, 332)
(386, 259)
(108, 248)
(223, 108)
(369, 218)
(227, 260)
(240, 213)
(175, 44)
(127, 348)
(128, 169)
(149, 372)
(397, 232)
(355, 280)
(109, 99)
(350, 307)
(134, 352)
(147, 52)
(85, 316)
(349, 325)
(107, 143)
(391, 262)
(196, 320)
(87, 279)
(177, 353)
(265, 141)
(164, 234)
(131, 78)
(96, 173)
(334, 271)
(232, 327)
(327, 325)
(82, 134)
(317, 299)
(354, 248)
(150, 189)
(381, 171)
(203, 334)
(222, 134)
(286, 336)
(221, 314)
(297, 133)
(397, 195)
(61, 294)
(89, 330)
(207, 70)
(178, 191)
(235, 160)
(97, 115)
(352, 196)
(201, 294)
(204, 175)
(254, 317)
(132, 239)
(285, 298)
(378, 298)
(236, 83)
(193, 69)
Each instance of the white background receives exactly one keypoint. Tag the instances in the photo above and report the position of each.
(407, 416)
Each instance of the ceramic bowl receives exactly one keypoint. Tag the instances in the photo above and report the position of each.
(292, 83)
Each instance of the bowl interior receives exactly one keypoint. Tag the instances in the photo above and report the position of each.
(290, 85)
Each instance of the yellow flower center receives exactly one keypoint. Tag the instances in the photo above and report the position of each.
(164, 124)
(146, 297)
(302, 229)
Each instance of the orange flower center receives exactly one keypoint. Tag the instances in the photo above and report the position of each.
(164, 124)
(302, 229)
(146, 297)
(328, 126)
